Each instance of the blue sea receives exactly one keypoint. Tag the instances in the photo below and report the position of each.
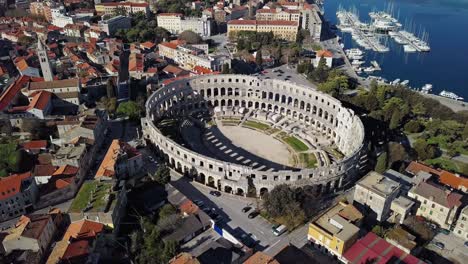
(445, 21)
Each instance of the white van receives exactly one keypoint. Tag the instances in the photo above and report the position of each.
(280, 230)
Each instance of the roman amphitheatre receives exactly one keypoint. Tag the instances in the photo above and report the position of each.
(244, 135)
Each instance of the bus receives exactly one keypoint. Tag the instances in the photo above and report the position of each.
(279, 230)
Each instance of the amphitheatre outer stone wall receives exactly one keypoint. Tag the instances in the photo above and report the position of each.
(300, 103)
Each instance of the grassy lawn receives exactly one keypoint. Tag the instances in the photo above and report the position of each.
(444, 163)
(85, 195)
(230, 123)
(295, 143)
(336, 153)
(272, 131)
(308, 160)
(256, 125)
(170, 128)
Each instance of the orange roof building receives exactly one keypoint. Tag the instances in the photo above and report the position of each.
(75, 244)
(18, 192)
(120, 159)
(261, 258)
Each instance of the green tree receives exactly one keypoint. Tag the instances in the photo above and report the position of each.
(119, 11)
(169, 251)
(413, 126)
(465, 132)
(396, 152)
(25, 40)
(279, 200)
(162, 175)
(379, 230)
(452, 150)
(167, 210)
(130, 109)
(424, 150)
(259, 58)
(381, 165)
(110, 88)
(395, 120)
(419, 109)
(320, 74)
(190, 37)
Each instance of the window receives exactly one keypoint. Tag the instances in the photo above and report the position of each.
(275, 178)
(433, 205)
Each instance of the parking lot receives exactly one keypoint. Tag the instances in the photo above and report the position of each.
(453, 247)
(286, 73)
(229, 207)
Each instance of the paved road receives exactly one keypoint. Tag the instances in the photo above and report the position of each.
(237, 222)
(284, 72)
(454, 249)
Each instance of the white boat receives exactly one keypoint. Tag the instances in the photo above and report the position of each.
(409, 49)
(395, 82)
(451, 95)
(354, 51)
(427, 88)
(357, 62)
(405, 82)
(369, 69)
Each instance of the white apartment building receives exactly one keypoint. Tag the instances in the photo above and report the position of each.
(377, 192)
(278, 14)
(312, 22)
(130, 8)
(176, 23)
(111, 25)
(436, 204)
(188, 56)
(461, 229)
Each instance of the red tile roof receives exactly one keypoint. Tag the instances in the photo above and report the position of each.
(188, 207)
(12, 91)
(66, 170)
(76, 249)
(415, 167)
(324, 53)
(35, 144)
(11, 185)
(455, 181)
(40, 100)
(373, 249)
(264, 22)
(83, 229)
(438, 194)
(148, 44)
(125, 4)
(201, 70)
(44, 170)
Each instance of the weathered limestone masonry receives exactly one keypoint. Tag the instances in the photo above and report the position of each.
(297, 102)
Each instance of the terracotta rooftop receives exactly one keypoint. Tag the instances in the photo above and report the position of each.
(40, 100)
(54, 84)
(107, 168)
(10, 93)
(83, 229)
(184, 258)
(66, 170)
(76, 249)
(44, 170)
(264, 22)
(188, 207)
(261, 258)
(125, 4)
(437, 194)
(11, 185)
(173, 69)
(455, 181)
(324, 53)
(415, 167)
(35, 144)
(36, 225)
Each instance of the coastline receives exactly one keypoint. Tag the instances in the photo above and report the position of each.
(455, 105)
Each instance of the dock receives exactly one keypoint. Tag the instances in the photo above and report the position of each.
(376, 65)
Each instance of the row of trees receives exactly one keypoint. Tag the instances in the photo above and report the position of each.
(143, 29)
(283, 204)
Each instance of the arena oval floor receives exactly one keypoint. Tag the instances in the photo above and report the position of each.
(244, 135)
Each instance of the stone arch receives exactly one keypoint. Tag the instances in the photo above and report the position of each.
(215, 92)
(240, 192)
(223, 91)
(227, 189)
(263, 191)
(211, 181)
(201, 178)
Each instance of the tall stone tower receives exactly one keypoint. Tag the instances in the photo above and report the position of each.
(44, 60)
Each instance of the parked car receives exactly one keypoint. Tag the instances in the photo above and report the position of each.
(466, 244)
(273, 227)
(253, 214)
(215, 193)
(280, 230)
(199, 203)
(439, 245)
(246, 209)
(445, 231)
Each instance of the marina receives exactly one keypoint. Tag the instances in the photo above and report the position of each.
(383, 24)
